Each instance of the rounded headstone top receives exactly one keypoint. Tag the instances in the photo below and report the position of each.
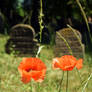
(66, 32)
(72, 40)
(22, 41)
(22, 29)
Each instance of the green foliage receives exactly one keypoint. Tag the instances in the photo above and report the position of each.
(20, 11)
(19, 7)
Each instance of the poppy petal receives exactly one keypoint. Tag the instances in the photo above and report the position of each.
(79, 64)
(67, 63)
(25, 77)
(32, 68)
(55, 63)
(38, 76)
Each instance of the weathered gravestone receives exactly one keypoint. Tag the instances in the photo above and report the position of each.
(22, 41)
(61, 47)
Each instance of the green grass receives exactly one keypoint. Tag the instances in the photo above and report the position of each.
(10, 77)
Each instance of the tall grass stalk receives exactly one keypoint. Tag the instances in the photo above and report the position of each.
(85, 83)
(39, 50)
(79, 76)
(85, 18)
(82, 46)
(83, 90)
(41, 20)
(28, 17)
(76, 35)
(70, 50)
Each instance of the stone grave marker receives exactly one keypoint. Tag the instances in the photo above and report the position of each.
(61, 48)
(22, 41)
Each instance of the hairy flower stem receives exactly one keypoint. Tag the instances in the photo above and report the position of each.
(59, 89)
(85, 18)
(67, 82)
(65, 43)
(41, 20)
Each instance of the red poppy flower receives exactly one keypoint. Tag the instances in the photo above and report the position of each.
(32, 68)
(67, 63)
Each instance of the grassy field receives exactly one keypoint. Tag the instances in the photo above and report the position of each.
(10, 77)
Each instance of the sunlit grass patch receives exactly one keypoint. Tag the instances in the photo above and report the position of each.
(10, 77)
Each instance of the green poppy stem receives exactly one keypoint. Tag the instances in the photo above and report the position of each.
(31, 88)
(67, 82)
(59, 89)
(38, 87)
(79, 75)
